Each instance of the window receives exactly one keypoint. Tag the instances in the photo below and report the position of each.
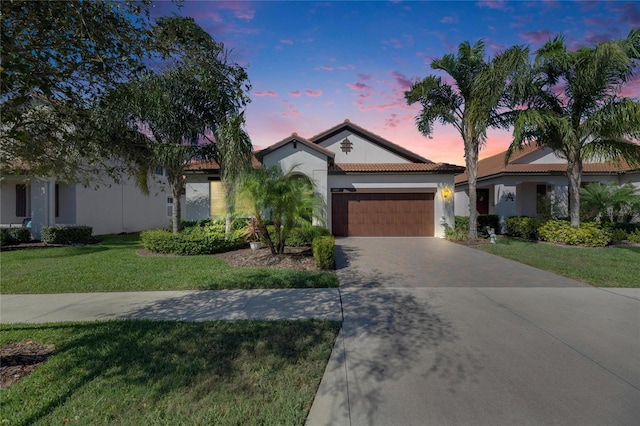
(169, 206)
(21, 200)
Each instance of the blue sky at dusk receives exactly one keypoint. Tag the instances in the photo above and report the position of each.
(314, 64)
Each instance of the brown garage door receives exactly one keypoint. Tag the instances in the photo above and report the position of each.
(382, 215)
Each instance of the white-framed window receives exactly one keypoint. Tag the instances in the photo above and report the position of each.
(169, 206)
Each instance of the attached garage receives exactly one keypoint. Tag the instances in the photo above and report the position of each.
(382, 214)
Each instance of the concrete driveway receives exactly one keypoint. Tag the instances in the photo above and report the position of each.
(436, 333)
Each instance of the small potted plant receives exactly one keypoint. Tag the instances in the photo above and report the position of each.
(252, 234)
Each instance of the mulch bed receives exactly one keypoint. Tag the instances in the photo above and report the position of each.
(300, 258)
(17, 359)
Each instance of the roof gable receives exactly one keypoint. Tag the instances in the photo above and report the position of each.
(347, 126)
(295, 139)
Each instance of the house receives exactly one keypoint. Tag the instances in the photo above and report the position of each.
(109, 209)
(370, 186)
(534, 178)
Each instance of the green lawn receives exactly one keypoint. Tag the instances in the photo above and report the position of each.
(602, 267)
(113, 265)
(146, 373)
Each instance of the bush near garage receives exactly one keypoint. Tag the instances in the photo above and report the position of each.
(9, 236)
(197, 240)
(523, 227)
(634, 237)
(324, 252)
(590, 234)
(66, 234)
(301, 236)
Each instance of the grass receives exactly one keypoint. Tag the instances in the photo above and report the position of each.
(113, 265)
(617, 266)
(144, 372)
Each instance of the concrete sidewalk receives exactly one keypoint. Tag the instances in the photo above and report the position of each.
(321, 303)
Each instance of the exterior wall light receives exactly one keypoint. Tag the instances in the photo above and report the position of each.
(446, 193)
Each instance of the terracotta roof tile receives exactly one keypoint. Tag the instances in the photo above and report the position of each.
(395, 168)
(495, 165)
(213, 166)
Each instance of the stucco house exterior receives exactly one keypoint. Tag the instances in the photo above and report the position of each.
(370, 186)
(110, 208)
(513, 189)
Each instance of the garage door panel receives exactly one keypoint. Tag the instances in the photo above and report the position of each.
(382, 214)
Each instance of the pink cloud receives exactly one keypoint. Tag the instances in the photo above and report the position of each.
(539, 36)
(358, 86)
(295, 93)
(492, 4)
(347, 67)
(240, 9)
(630, 13)
(364, 77)
(290, 112)
(632, 88)
(269, 93)
(401, 80)
(392, 121)
(313, 93)
(327, 67)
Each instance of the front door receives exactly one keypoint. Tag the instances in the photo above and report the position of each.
(482, 203)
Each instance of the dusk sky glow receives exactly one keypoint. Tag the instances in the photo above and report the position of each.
(314, 64)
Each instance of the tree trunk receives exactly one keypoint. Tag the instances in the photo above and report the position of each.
(471, 160)
(574, 173)
(229, 200)
(265, 234)
(176, 211)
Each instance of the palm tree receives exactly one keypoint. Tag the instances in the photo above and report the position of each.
(471, 105)
(617, 203)
(287, 198)
(571, 104)
(233, 147)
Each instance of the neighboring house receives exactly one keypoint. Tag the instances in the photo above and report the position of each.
(532, 175)
(370, 186)
(109, 209)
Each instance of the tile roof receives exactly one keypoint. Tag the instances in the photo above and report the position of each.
(395, 168)
(213, 166)
(295, 137)
(495, 165)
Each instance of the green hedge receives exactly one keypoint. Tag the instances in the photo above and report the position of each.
(634, 237)
(10, 236)
(589, 234)
(300, 236)
(192, 241)
(523, 227)
(66, 234)
(484, 220)
(324, 252)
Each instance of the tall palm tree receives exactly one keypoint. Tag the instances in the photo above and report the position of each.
(571, 104)
(233, 147)
(471, 105)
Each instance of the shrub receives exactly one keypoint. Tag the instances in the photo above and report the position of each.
(490, 220)
(462, 222)
(66, 234)
(456, 234)
(192, 241)
(9, 236)
(634, 237)
(304, 236)
(589, 234)
(523, 227)
(618, 234)
(324, 252)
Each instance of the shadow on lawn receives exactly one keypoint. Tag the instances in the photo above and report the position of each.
(164, 356)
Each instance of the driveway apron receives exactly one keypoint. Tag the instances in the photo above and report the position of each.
(436, 333)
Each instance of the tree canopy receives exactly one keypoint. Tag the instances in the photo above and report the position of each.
(570, 102)
(190, 109)
(472, 104)
(56, 60)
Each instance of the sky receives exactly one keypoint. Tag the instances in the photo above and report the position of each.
(313, 64)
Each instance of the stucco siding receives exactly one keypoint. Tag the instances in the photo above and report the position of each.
(362, 150)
